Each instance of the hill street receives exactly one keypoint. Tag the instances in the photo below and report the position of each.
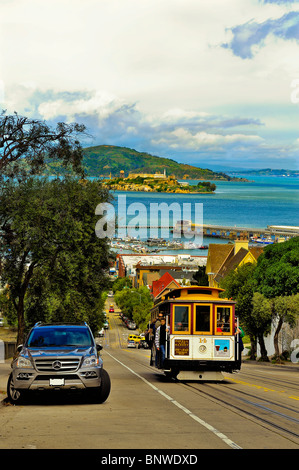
(257, 408)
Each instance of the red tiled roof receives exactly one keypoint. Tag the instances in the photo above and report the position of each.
(162, 283)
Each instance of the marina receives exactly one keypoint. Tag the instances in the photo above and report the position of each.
(264, 211)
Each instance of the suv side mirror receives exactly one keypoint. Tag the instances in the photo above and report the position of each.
(19, 348)
(99, 347)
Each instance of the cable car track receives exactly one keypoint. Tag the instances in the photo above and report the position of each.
(248, 406)
(291, 385)
(227, 402)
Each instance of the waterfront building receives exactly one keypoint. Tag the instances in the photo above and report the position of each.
(143, 269)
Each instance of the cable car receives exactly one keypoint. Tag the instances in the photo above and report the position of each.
(200, 340)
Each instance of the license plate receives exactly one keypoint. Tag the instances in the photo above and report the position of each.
(56, 382)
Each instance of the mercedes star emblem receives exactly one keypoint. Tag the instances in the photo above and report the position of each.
(56, 365)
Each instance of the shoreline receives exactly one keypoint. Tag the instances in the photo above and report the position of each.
(161, 192)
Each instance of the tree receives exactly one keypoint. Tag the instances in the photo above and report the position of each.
(135, 304)
(48, 246)
(239, 286)
(27, 144)
(277, 270)
(277, 278)
(201, 277)
(262, 316)
(120, 283)
(285, 310)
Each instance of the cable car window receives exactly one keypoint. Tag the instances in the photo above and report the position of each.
(203, 319)
(181, 318)
(223, 320)
(199, 291)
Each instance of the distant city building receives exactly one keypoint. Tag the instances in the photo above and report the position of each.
(143, 270)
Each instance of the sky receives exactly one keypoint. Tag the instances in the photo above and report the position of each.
(210, 83)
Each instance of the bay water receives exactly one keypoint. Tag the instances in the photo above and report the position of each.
(266, 200)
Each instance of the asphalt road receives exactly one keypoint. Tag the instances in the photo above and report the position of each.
(257, 408)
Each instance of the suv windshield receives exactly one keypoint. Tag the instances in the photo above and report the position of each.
(67, 336)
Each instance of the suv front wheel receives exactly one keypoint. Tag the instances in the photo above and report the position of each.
(16, 397)
(100, 394)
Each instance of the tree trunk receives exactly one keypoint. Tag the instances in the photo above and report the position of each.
(276, 334)
(253, 348)
(21, 321)
(20, 305)
(264, 354)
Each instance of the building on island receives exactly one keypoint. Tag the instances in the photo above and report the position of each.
(157, 175)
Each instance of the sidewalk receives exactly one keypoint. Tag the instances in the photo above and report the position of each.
(5, 370)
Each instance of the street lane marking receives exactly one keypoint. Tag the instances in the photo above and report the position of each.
(260, 387)
(211, 428)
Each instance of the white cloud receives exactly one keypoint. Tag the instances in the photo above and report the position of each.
(151, 72)
(182, 138)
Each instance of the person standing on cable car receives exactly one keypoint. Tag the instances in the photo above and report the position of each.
(239, 334)
(160, 341)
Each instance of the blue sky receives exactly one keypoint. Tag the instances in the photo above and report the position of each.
(213, 84)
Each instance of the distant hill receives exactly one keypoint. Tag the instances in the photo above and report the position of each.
(104, 160)
(266, 172)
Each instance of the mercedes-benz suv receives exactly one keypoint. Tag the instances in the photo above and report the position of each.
(58, 356)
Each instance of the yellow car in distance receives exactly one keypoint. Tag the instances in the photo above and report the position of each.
(135, 338)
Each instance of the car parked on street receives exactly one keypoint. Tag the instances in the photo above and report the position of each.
(58, 357)
(131, 344)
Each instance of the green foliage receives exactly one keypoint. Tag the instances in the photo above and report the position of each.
(120, 283)
(262, 312)
(239, 285)
(53, 262)
(201, 277)
(135, 304)
(277, 272)
(267, 291)
(26, 144)
(287, 308)
(106, 159)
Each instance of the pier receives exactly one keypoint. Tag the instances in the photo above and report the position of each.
(233, 232)
(228, 232)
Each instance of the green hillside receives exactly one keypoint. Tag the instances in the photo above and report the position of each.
(104, 160)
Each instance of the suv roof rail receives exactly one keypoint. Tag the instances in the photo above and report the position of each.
(41, 323)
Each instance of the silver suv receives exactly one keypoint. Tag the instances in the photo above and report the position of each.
(58, 356)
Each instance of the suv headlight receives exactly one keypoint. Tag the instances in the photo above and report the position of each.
(90, 361)
(23, 362)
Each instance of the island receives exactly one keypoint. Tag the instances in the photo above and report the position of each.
(110, 161)
(159, 183)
